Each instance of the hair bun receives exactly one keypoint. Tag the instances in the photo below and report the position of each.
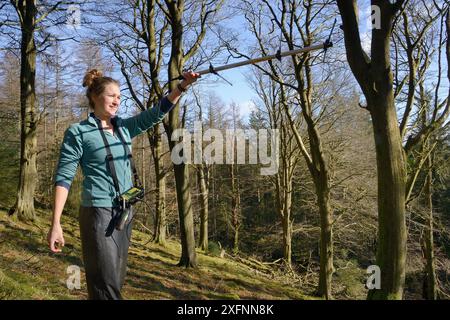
(91, 76)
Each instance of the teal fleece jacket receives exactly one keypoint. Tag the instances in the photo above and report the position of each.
(83, 145)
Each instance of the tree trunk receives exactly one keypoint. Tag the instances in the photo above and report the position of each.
(144, 175)
(375, 78)
(181, 171)
(430, 271)
(287, 238)
(56, 142)
(160, 200)
(161, 222)
(326, 241)
(283, 188)
(48, 186)
(183, 189)
(391, 250)
(319, 169)
(214, 206)
(203, 207)
(235, 208)
(185, 212)
(24, 206)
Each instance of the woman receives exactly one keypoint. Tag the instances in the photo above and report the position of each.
(105, 249)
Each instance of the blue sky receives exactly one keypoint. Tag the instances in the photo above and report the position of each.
(240, 92)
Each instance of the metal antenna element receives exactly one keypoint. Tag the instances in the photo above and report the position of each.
(278, 55)
(328, 43)
(213, 71)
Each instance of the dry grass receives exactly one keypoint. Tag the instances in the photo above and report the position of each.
(28, 270)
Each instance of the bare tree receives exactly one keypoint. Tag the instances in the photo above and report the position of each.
(273, 101)
(295, 21)
(160, 225)
(376, 79)
(10, 124)
(203, 178)
(30, 21)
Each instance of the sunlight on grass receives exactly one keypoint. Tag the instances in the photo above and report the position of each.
(29, 271)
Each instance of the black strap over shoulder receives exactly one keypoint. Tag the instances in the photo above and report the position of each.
(110, 158)
(137, 181)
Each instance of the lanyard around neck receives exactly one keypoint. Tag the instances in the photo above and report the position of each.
(110, 158)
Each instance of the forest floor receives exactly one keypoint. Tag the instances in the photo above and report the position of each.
(28, 270)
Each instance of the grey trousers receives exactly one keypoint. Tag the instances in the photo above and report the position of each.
(105, 252)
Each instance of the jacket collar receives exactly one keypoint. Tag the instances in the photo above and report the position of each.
(92, 119)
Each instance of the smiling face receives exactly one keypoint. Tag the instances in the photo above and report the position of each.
(107, 103)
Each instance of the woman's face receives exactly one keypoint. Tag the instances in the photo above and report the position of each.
(107, 103)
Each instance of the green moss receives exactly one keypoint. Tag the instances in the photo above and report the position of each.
(14, 285)
(353, 277)
(214, 249)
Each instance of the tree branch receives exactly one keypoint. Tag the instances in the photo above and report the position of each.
(358, 61)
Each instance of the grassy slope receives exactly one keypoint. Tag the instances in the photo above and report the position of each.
(29, 271)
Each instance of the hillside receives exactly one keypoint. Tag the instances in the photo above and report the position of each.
(28, 270)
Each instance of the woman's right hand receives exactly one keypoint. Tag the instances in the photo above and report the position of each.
(55, 238)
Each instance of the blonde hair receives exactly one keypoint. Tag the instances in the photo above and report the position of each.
(96, 84)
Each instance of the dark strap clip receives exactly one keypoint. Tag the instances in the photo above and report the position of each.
(278, 55)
